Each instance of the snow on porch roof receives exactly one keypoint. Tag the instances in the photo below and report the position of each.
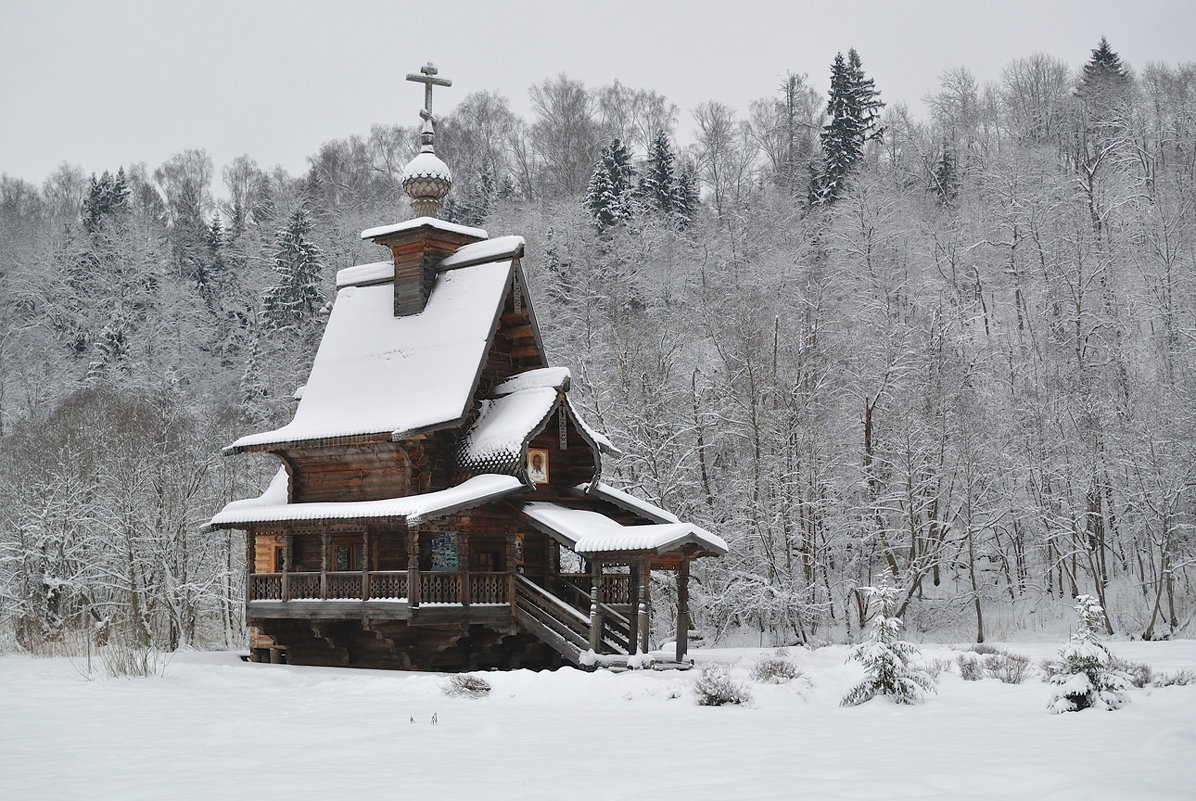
(628, 501)
(590, 533)
(272, 507)
(376, 373)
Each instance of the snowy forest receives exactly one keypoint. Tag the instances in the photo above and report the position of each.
(957, 347)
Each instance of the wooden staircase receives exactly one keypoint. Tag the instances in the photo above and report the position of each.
(563, 627)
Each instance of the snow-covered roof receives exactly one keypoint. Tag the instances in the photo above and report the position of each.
(376, 373)
(627, 501)
(503, 247)
(272, 507)
(384, 230)
(495, 441)
(589, 532)
(546, 377)
(362, 274)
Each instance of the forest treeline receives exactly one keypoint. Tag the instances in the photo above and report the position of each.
(959, 348)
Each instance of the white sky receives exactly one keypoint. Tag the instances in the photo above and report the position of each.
(105, 83)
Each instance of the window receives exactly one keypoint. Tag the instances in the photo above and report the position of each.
(348, 554)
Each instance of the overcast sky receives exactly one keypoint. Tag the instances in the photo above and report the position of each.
(107, 83)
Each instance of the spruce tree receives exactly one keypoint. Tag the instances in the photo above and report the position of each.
(853, 109)
(657, 189)
(211, 266)
(687, 195)
(609, 196)
(1103, 89)
(295, 298)
(1084, 678)
(106, 197)
(944, 180)
(1104, 69)
(887, 658)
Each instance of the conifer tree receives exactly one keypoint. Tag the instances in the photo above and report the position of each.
(105, 197)
(657, 187)
(1103, 71)
(687, 195)
(886, 658)
(295, 298)
(609, 195)
(1085, 678)
(853, 110)
(944, 180)
(212, 265)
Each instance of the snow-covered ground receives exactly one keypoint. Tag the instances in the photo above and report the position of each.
(214, 727)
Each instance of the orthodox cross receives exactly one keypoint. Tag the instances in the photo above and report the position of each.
(428, 78)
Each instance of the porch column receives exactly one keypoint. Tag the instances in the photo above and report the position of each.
(645, 581)
(595, 605)
(367, 540)
(552, 572)
(509, 564)
(633, 605)
(413, 566)
(250, 567)
(288, 553)
(682, 610)
(325, 548)
(463, 565)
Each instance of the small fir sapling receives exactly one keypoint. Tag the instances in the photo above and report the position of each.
(1085, 677)
(886, 658)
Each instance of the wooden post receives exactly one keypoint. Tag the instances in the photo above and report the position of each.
(509, 564)
(288, 547)
(682, 610)
(633, 618)
(645, 578)
(325, 548)
(413, 566)
(463, 565)
(552, 571)
(595, 606)
(250, 568)
(367, 540)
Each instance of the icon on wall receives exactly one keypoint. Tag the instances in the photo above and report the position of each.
(537, 465)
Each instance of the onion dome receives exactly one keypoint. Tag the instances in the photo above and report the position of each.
(427, 179)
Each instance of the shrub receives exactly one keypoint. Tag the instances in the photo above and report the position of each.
(715, 687)
(971, 667)
(1008, 668)
(1180, 678)
(465, 685)
(938, 665)
(1083, 677)
(1138, 673)
(985, 650)
(775, 669)
(126, 655)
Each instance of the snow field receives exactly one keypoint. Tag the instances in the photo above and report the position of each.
(214, 727)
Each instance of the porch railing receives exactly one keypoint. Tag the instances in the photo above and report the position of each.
(389, 585)
(616, 587)
(489, 588)
(344, 585)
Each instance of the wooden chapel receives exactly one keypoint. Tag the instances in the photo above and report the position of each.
(440, 502)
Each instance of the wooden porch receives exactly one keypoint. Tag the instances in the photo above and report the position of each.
(564, 615)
